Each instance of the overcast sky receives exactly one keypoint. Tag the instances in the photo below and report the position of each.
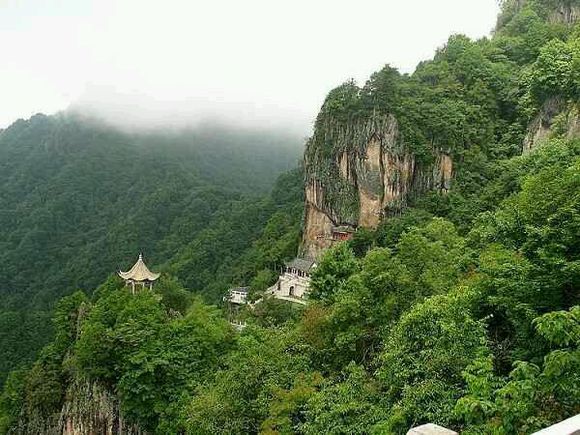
(257, 62)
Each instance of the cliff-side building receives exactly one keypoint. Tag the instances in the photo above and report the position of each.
(139, 275)
(235, 301)
(342, 233)
(237, 295)
(294, 282)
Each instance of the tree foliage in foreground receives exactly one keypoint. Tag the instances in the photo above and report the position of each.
(475, 331)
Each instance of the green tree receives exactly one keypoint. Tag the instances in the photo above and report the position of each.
(350, 405)
(336, 265)
(238, 397)
(425, 354)
(534, 395)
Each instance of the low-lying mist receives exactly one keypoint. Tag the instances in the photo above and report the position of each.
(140, 113)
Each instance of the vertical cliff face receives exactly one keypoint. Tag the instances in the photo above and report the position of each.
(556, 117)
(376, 147)
(566, 13)
(91, 409)
(360, 171)
(88, 409)
(559, 12)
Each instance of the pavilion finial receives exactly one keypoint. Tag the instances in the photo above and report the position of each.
(139, 274)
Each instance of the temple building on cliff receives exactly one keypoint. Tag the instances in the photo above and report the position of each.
(139, 275)
(237, 295)
(294, 282)
(336, 234)
(236, 300)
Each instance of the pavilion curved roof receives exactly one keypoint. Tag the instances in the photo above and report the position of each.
(139, 272)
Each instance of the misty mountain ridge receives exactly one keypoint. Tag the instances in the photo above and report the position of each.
(258, 155)
(138, 112)
(79, 198)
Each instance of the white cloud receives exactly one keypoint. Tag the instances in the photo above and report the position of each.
(252, 61)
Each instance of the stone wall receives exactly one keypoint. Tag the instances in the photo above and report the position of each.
(291, 286)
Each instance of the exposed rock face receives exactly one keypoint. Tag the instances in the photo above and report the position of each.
(88, 409)
(566, 14)
(358, 172)
(541, 126)
(556, 117)
(91, 409)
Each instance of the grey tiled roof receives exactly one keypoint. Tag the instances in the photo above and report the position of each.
(303, 264)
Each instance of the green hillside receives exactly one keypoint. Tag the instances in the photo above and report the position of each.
(79, 200)
(461, 310)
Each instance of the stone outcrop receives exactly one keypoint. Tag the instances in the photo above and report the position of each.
(541, 126)
(555, 118)
(565, 13)
(88, 409)
(360, 171)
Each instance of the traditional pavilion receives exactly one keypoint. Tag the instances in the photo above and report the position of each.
(139, 274)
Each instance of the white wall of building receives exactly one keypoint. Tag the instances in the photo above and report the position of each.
(292, 286)
(238, 297)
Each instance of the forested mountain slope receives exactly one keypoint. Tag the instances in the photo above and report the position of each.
(377, 148)
(456, 302)
(79, 200)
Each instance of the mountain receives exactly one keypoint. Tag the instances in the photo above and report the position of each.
(80, 200)
(455, 302)
(377, 148)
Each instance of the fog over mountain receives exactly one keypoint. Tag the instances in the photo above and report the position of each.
(141, 112)
(257, 63)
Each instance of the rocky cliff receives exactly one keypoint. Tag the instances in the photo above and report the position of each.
(555, 118)
(88, 409)
(359, 171)
(566, 12)
(563, 12)
(377, 146)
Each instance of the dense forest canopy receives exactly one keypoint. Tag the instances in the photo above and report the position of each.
(80, 200)
(463, 311)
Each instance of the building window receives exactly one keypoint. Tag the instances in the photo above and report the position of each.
(291, 290)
